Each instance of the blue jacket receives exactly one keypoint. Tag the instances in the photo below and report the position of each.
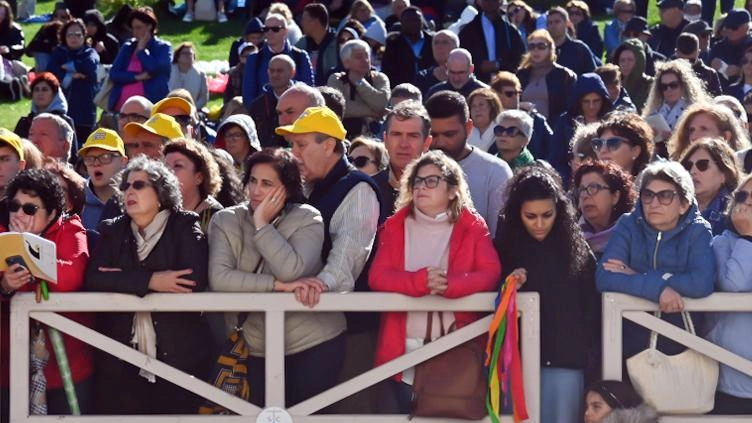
(612, 36)
(156, 59)
(79, 92)
(684, 253)
(255, 75)
(91, 214)
(732, 253)
(565, 125)
(576, 55)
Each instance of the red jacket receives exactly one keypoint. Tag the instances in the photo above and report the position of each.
(473, 267)
(72, 256)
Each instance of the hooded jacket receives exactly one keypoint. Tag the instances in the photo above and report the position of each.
(564, 129)
(643, 413)
(681, 258)
(79, 92)
(58, 106)
(637, 83)
(245, 123)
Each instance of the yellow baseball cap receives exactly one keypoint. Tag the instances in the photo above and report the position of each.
(158, 124)
(13, 140)
(168, 102)
(316, 119)
(106, 139)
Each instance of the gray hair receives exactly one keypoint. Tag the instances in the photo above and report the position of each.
(285, 58)
(408, 91)
(522, 118)
(65, 131)
(164, 182)
(142, 101)
(346, 51)
(315, 99)
(277, 16)
(668, 171)
(455, 39)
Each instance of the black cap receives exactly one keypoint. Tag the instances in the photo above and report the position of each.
(666, 4)
(637, 24)
(736, 18)
(698, 28)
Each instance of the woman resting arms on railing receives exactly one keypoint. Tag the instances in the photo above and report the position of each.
(261, 246)
(538, 240)
(661, 251)
(154, 247)
(35, 200)
(434, 244)
(733, 252)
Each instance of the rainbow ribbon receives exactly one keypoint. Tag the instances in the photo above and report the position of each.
(503, 356)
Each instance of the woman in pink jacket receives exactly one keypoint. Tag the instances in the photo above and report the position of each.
(435, 244)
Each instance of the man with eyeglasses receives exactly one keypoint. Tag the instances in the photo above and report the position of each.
(460, 76)
(443, 43)
(486, 175)
(409, 50)
(104, 157)
(664, 35)
(726, 55)
(149, 138)
(509, 90)
(512, 134)
(135, 109)
(255, 75)
(492, 41)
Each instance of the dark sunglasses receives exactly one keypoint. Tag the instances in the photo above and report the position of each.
(537, 46)
(671, 85)
(611, 143)
(273, 28)
(591, 189)
(360, 161)
(28, 208)
(183, 120)
(665, 197)
(511, 131)
(137, 185)
(702, 165)
(741, 196)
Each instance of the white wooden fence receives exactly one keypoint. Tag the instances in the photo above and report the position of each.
(23, 307)
(621, 306)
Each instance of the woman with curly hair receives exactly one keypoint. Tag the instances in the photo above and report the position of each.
(539, 225)
(198, 175)
(602, 192)
(712, 164)
(625, 139)
(707, 120)
(674, 89)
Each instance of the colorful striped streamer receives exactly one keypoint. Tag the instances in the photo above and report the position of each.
(503, 356)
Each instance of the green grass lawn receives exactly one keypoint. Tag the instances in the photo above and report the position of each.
(212, 41)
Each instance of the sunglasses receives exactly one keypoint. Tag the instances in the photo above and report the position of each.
(361, 161)
(591, 189)
(511, 131)
(741, 196)
(664, 197)
(431, 181)
(28, 208)
(183, 120)
(273, 28)
(669, 86)
(104, 159)
(74, 35)
(611, 143)
(702, 165)
(137, 185)
(537, 46)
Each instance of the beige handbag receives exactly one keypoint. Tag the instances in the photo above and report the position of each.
(675, 384)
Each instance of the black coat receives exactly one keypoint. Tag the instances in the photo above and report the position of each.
(183, 338)
(400, 64)
(509, 45)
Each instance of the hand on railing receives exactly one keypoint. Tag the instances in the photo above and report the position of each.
(670, 301)
(171, 281)
(437, 280)
(307, 290)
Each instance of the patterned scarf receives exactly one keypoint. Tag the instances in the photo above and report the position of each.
(38, 384)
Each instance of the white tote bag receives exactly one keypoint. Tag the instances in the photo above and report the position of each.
(675, 384)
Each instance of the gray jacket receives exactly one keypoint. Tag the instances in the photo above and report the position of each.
(643, 413)
(290, 249)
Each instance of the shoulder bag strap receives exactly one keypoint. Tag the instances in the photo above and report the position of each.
(429, 328)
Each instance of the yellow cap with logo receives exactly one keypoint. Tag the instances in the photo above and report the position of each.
(316, 119)
(159, 124)
(106, 139)
(13, 141)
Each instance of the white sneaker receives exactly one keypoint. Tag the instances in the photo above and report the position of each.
(188, 17)
(221, 17)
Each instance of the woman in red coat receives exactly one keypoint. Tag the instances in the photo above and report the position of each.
(35, 201)
(434, 244)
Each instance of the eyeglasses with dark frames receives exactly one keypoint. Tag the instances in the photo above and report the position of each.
(431, 181)
(664, 197)
(104, 159)
(591, 189)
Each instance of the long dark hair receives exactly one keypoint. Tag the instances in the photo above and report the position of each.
(536, 182)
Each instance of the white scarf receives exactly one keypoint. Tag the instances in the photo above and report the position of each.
(144, 335)
(672, 114)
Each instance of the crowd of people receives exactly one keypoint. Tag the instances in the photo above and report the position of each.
(387, 149)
